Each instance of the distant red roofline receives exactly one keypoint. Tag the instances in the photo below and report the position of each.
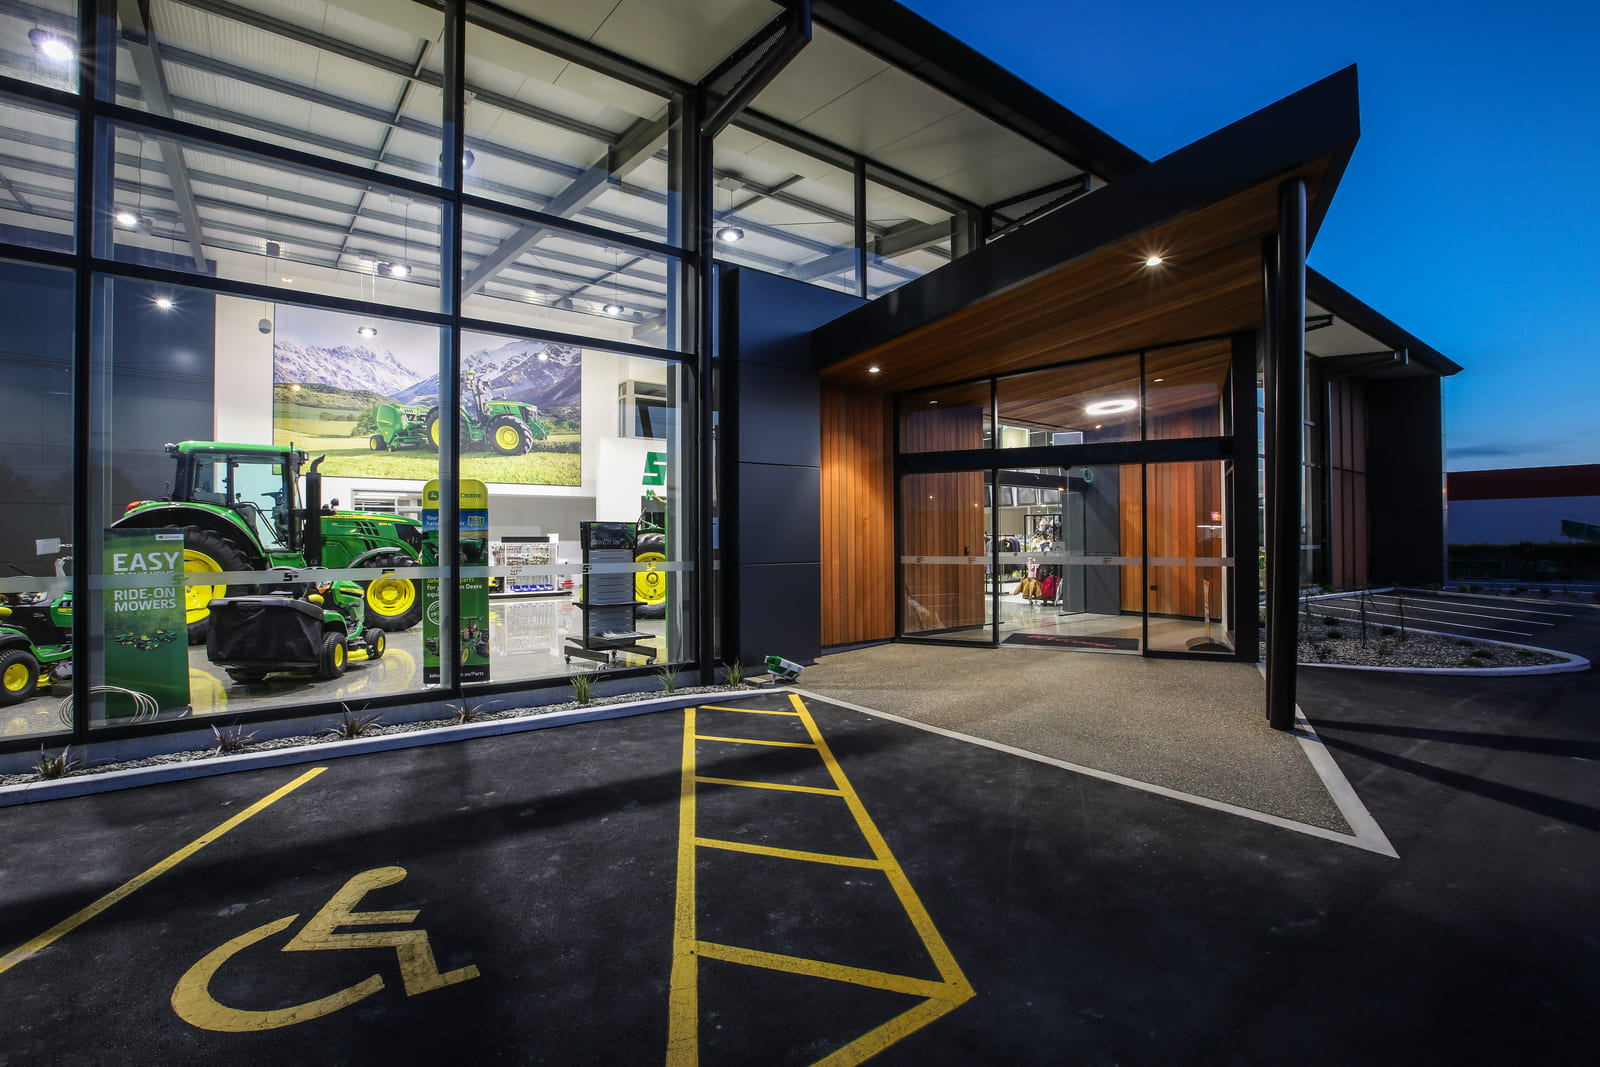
(1523, 483)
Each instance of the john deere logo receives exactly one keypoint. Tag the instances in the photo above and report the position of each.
(655, 468)
(433, 613)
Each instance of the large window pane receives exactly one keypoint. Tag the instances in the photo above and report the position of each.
(39, 160)
(529, 275)
(562, 436)
(944, 556)
(210, 414)
(546, 134)
(783, 211)
(946, 419)
(1084, 403)
(39, 43)
(363, 88)
(1191, 558)
(906, 238)
(186, 206)
(35, 497)
(1186, 391)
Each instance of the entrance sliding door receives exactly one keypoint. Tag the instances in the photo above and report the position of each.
(1191, 558)
(1070, 557)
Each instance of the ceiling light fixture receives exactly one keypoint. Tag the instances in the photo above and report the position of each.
(730, 235)
(612, 309)
(467, 159)
(164, 303)
(287, 280)
(1111, 407)
(1158, 381)
(367, 331)
(1154, 260)
(872, 370)
(398, 270)
(48, 45)
(128, 219)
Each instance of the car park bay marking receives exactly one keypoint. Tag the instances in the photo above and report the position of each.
(72, 922)
(683, 1027)
(192, 999)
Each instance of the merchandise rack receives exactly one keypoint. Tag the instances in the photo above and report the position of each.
(608, 603)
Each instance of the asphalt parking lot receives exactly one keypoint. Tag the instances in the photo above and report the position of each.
(789, 882)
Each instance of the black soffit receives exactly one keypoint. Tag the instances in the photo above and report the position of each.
(1320, 122)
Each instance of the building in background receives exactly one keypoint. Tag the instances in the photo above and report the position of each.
(1539, 504)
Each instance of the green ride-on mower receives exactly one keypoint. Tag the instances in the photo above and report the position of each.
(239, 507)
(35, 642)
(252, 636)
(508, 427)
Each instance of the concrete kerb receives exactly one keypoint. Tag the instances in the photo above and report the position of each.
(1573, 663)
(112, 781)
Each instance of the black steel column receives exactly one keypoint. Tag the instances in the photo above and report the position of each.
(1246, 539)
(1287, 361)
(701, 238)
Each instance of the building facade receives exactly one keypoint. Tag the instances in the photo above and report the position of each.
(852, 330)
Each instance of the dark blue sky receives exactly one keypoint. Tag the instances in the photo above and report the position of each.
(1470, 213)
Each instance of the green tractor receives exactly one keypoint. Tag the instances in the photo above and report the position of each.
(35, 645)
(508, 427)
(239, 509)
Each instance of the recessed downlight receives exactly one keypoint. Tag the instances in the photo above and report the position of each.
(1111, 407)
(1154, 260)
(872, 370)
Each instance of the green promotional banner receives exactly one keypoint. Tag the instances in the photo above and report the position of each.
(147, 637)
(473, 625)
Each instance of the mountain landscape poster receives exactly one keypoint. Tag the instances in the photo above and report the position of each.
(366, 395)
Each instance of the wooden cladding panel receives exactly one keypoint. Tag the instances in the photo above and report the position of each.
(1347, 484)
(857, 516)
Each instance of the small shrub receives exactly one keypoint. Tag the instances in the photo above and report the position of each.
(1544, 591)
(352, 725)
(1523, 653)
(733, 672)
(1385, 651)
(1464, 642)
(583, 687)
(1469, 661)
(53, 764)
(1329, 620)
(1474, 588)
(1334, 635)
(1387, 631)
(227, 742)
(1481, 653)
(668, 679)
(464, 713)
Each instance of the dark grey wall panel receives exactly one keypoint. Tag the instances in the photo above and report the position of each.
(778, 514)
(780, 611)
(780, 414)
(777, 316)
(1405, 471)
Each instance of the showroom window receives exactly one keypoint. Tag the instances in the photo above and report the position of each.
(41, 43)
(39, 205)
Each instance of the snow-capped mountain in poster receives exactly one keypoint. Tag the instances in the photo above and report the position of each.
(355, 366)
(545, 375)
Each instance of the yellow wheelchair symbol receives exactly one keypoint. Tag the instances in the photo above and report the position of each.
(192, 998)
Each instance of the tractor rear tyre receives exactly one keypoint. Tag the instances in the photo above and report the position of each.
(393, 603)
(377, 443)
(650, 586)
(19, 674)
(335, 657)
(510, 436)
(430, 427)
(205, 551)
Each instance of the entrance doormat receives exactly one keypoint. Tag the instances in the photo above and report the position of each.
(1074, 641)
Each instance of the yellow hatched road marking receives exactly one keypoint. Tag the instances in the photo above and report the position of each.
(789, 853)
(753, 741)
(747, 711)
(683, 1026)
(784, 786)
(683, 997)
(773, 961)
(77, 919)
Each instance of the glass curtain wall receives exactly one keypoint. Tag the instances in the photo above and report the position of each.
(276, 278)
(1093, 546)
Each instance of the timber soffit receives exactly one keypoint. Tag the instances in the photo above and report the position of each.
(1320, 122)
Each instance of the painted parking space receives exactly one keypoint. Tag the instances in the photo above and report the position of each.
(1518, 623)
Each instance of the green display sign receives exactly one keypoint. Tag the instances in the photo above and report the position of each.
(146, 635)
(473, 602)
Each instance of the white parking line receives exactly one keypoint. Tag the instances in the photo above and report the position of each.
(1421, 610)
(1495, 607)
(1410, 617)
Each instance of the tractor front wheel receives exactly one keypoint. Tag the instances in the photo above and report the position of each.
(510, 436)
(393, 603)
(650, 584)
(19, 674)
(206, 552)
(377, 641)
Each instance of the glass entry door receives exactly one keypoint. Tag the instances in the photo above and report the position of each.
(1070, 557)
(944, 557)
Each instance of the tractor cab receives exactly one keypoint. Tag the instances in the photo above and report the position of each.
(255, 482)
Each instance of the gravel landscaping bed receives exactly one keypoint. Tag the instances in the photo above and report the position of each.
(376, 729)
(1341, 645)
